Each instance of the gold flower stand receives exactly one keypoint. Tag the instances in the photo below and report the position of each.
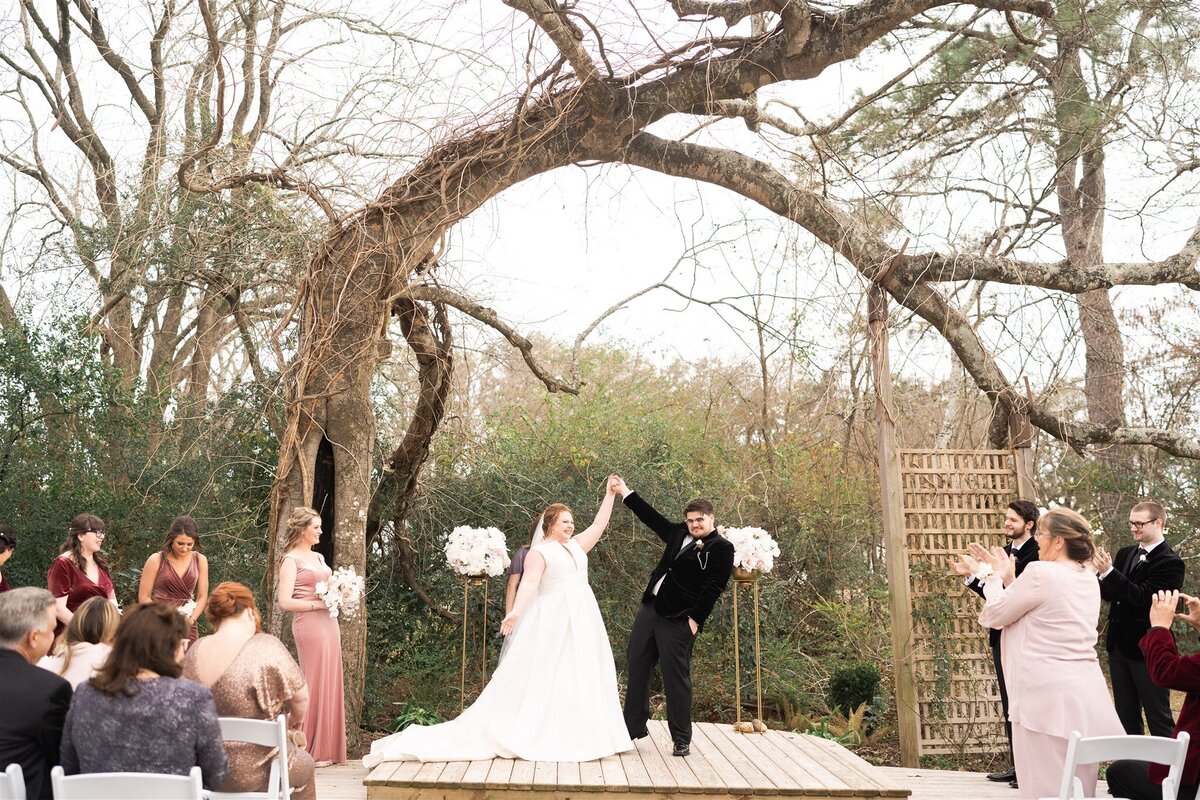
(748, 579)
(470, 581)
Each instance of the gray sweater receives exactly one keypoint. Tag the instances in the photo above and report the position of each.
(168, 726)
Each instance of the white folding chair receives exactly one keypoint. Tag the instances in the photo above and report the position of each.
(12, 783)
(269, 733)
(126, 786)
(1093, 750)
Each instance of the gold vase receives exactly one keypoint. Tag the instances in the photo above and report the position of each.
(745, 575)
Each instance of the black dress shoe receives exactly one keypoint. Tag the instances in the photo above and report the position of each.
(641, 735)
(681, 749)
(1013, 784)
(1009, 774)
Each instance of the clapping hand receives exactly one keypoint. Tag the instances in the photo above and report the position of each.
(1002, 563)
(963, 565)
(1101, 561)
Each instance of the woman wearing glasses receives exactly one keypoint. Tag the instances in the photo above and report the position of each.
(81, 571)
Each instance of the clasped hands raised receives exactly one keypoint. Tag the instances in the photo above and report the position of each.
(973, 561)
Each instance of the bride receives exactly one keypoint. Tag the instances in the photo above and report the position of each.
(554, 695)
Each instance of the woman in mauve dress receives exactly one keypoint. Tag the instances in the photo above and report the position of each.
(8, 544)
(177, 574)
(252, 676)
(318, 641)
(81, 570)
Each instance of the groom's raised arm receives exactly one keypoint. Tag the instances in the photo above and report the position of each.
(653, 520)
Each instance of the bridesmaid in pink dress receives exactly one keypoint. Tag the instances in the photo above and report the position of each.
(318, 641)
(177, 573)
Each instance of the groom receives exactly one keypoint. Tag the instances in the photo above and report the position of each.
(690, 576)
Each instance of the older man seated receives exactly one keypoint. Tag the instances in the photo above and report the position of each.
(1140, 780)
(34, 700)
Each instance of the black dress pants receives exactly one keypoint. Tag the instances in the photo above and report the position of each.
(656, 639)
(1134, 692)
(1129, 779)
(996, 661)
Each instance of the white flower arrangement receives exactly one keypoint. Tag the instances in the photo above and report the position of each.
(342, 593)
(187, 609)
(753, 548)
(476, 551)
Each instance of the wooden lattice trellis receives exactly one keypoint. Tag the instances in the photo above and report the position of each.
(949, 499)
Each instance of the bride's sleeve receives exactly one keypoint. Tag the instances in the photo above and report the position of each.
(535, 565)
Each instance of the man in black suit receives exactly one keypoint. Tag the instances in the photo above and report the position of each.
(34, 700)
(1128, 582)
(693, 571)
(1020, 523)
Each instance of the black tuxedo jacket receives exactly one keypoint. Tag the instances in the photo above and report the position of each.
(33, 706)
(1129, 592)
(1026, 554)
(695, 575)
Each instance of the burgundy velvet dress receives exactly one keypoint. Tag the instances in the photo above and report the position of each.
(65, 579)
(174, 589)
(319, 646)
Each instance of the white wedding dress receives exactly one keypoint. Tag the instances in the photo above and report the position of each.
(554, 695)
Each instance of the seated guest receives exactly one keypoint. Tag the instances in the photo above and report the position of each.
(137, 714)
(34, 701)
(86, 643)
(1140, 780)
(253, 676)
(8, 544)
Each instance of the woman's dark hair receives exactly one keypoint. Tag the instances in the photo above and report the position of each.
(181, 526)
(228, 600)
(1026, 511)
(8, 539)
(94, 622)
(83, 523)
(1073, 529)
(147, 638)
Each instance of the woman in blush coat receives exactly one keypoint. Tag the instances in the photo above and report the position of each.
(1048, 622)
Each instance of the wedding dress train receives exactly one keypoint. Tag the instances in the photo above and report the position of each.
(553, 696)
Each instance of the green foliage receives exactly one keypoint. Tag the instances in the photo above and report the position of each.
(853, 685)
(413, 714)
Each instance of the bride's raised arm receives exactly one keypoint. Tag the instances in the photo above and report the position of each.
(534, 566)
(588, 538)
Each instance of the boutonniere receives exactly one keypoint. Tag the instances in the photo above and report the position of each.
(699, 544)
(1142, 558)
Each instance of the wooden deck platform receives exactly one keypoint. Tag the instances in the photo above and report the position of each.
(345, 782)
(723, 764)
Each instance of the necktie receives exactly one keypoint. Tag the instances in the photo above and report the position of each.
(1137, 559)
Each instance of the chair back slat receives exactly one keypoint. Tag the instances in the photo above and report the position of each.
(12, 783)
(1095, 749)
(126, 786)
(268, 733)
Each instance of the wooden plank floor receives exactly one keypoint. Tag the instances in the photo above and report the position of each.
(345, 782)
(723, 764)
(939, 784)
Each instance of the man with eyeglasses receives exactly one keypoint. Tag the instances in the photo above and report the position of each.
(1128, 583)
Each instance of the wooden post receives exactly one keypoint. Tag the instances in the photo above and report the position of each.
(1020, 433)
(907, 714)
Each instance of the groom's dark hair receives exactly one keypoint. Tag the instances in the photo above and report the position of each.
(701, 505)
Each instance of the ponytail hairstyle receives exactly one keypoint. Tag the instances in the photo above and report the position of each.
(81, 524)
